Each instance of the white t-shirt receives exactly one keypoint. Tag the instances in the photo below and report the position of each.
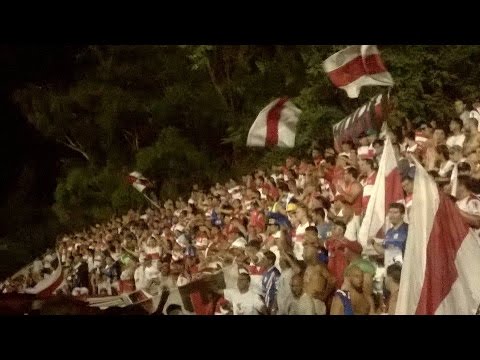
(306, 305)
(139, 277)
(456, 140)
(151, 272)
(248, 303)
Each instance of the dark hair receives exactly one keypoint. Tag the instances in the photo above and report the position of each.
(378, 142)
(270, 256)
(467, 181)
(282, 185)
(395, 272)
(173, 307)
(458, 121)
(349, 142)
(319, 211)
(398, 206)
(464, 166)
(341, 224)
(257, 244)
(410, 135)
(247, 275)
(352, 171)
(370, 163)
(443, 149)
(312, 229)
(330, 160)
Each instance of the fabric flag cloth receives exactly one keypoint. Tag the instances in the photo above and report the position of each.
(369, 116)
(275, 125)
(357, 66)
(441, 264)
(138, 181)
(386, 190)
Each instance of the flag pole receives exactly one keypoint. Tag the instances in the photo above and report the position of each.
(151, 201)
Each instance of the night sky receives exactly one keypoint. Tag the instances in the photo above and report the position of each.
(21, 144)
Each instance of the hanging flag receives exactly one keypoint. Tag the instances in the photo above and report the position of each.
(275, 125)
(138, 181)
(441, 264)
(386, 190)
(357, 66)
(369, 116)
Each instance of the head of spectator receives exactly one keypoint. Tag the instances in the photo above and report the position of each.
(355, 277)
(296, 285)
(396, 212)
(407, 184)
(455, 153)
(351, 175)
(456, 126)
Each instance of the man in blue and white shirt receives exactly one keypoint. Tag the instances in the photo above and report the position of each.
(393, 247)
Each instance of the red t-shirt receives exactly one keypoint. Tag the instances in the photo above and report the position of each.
(336, 260)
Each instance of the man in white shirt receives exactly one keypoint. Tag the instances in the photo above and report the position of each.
(244, 301)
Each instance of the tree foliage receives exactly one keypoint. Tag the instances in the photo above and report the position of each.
(181, 114)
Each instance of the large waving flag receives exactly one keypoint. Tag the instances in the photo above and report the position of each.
(386, 190)
(357, 66)
(275, 125)
(441, 268)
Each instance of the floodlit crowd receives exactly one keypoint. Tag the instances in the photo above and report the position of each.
(286, 238)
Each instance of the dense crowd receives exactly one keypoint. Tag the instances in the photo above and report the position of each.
(286, 238)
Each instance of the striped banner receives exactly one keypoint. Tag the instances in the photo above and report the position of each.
(369, 116)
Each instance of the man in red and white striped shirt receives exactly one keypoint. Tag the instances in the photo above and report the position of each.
(369, 175)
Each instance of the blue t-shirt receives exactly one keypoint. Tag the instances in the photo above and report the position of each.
(394, 244)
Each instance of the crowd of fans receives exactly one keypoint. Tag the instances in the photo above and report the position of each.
(286, 238)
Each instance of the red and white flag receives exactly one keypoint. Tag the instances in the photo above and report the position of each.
(357, 66)
(441, 267)
(275, 125)
(138, 181)
(386, 190)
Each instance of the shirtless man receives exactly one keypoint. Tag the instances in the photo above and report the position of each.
(351, 300)
(317, 281)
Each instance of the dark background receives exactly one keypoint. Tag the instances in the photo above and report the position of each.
(24, 151)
